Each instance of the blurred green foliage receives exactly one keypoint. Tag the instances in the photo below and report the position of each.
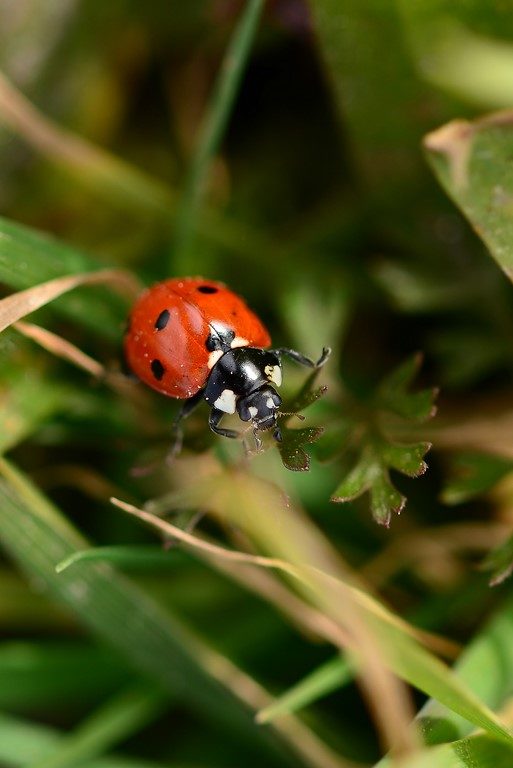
(287, 148)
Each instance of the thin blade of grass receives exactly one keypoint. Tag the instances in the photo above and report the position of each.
(37, 676)
(22, 303)
(137, 556)
(123, 715)
(91, 166)
(153, 641)
(394, 642)
(322, 681)
(212, 131)
(23, 741)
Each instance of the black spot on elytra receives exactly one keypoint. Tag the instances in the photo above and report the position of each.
(207, 289)
(157, 369)
(162, 320)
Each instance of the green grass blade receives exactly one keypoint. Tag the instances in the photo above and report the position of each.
(115, 609)
(322, 681)
(37, 676)
(22, 742)
(28, 258)
(218, 114)
(126, 713)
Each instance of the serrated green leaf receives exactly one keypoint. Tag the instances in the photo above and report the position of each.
(385, 499)
(471, 474)
(408, 459)
(359, 479)
(393, 393)
(306, 395)
(292, 453)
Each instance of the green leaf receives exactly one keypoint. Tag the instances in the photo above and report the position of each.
(292, 453)
(393, 393)
(359, 479)
(371, 474)
(322, 681)
(407, 459)
(471, 474)
(472, 162)
(385, 499)
(500, 562)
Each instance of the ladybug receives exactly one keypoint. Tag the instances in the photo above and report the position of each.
(194, 339)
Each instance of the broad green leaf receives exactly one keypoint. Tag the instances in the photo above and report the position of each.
(112, 606)
(448, 54)
(471, 161)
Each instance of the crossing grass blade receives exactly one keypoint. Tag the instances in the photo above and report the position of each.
(116, 610)
(23, 741)
(121, 716)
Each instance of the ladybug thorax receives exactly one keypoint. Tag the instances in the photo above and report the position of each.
(243, 380)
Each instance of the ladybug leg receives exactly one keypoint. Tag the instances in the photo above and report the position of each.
(215, 417)
(176, 428)
(302, 359)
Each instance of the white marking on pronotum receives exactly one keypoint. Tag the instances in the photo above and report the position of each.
(269, 402)
(238, 341)
(273, 373)
(214, 357)
(253, 411)
(226, 401)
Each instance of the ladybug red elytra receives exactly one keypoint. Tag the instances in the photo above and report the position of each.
(194, 339)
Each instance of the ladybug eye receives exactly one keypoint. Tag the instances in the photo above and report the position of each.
(207, 289)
